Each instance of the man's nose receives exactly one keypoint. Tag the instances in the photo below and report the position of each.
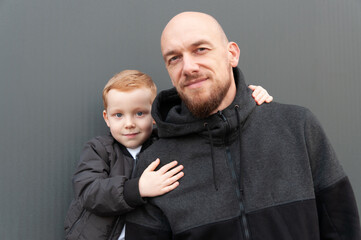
(190, 65)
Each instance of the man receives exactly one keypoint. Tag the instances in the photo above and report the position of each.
(250, 172)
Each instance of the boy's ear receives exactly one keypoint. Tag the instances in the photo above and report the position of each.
(105, 116)
(153, 122)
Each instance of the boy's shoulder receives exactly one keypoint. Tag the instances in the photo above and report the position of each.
(102, 146)
(101, 141)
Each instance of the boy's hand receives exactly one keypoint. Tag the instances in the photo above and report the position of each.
(154, 183)
(260, 94)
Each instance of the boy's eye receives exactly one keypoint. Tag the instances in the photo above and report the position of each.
(118, 115)
(139, 114)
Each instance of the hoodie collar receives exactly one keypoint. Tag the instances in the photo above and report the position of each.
(174, 119)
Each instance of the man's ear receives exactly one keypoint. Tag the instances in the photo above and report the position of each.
(105, 116)
(234, 53)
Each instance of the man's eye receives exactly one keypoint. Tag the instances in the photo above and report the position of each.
(118, 115)
(139, 114)
(201, 49)
(173, 59)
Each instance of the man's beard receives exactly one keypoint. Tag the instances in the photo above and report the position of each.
(202, 106)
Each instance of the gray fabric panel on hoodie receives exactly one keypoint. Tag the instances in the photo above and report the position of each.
(281, 154)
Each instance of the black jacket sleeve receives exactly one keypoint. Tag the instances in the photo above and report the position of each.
(100, 191)
(337, 212)
(148, 221)
(134, 231)
(336, 204)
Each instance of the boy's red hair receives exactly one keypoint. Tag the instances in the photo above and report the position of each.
(129, 80)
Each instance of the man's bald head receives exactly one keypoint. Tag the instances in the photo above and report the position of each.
(193, 20)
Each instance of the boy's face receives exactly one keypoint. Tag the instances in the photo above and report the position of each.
(128, 116)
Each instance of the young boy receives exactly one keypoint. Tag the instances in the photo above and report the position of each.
(103, 184)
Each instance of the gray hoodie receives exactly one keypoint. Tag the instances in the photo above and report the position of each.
(251, 172)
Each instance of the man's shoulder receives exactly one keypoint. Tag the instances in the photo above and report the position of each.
(282, 107)
(283, 110)
(285, 115)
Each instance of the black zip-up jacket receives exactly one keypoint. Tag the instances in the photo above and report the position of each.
(251, 172)
(103, 189)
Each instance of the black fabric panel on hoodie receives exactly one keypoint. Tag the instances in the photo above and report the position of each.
(285, 222)
(335, 210)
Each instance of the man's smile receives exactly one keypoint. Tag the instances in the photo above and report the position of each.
(196, 83)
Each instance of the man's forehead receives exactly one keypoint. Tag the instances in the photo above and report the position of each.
(172, 46)
(187, 37)
(188, 28)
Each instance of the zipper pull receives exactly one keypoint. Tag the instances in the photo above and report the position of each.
(220, 114)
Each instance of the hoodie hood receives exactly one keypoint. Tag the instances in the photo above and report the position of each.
(174, 119)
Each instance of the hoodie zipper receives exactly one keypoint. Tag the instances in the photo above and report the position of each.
(114, 228)
(76, 222)
(239, 190)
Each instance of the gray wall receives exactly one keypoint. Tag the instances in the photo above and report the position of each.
(55, 57)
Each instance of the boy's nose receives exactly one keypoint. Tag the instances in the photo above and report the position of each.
(129, 123)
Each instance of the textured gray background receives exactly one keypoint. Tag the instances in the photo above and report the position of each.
(55, 57)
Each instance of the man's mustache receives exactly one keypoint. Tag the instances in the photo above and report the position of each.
(191, 78)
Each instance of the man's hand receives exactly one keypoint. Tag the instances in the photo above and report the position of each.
(155, 183)
(260, 94)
